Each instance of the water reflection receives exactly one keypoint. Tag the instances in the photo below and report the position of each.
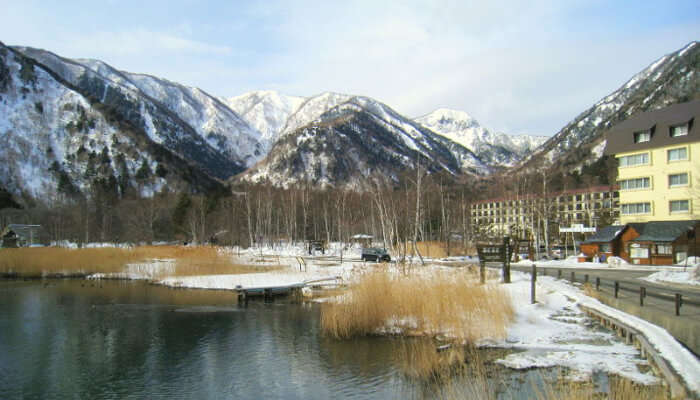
(129, 339)
(90, 339)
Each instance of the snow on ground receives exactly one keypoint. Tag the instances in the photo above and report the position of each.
(555, 332)
(681, 359)
(138, 271)
(246, 281)
(689, 277)
(572, 262)
(686, 275)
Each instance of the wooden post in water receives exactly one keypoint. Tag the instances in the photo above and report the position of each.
(482, 272)
(533, 281)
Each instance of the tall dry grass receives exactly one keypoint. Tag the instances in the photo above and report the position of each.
(30, 262)
(38, 262)
(449, 303)
(437, 249)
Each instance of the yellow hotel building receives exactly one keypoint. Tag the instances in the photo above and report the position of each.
(658, 156)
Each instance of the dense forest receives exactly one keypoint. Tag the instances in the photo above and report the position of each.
(417, 207)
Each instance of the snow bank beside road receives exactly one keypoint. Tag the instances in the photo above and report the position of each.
(689, 277)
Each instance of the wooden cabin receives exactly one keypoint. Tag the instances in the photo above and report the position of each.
(19, 235)
(664, 242)
(605, 243)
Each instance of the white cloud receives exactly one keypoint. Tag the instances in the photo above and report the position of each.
(515, 66)
(142, 42)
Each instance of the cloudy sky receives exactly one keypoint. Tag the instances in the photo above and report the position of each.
(516, 66)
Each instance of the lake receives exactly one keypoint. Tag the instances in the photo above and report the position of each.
(128, 339)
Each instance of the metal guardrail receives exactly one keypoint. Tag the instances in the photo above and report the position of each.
(676, 298)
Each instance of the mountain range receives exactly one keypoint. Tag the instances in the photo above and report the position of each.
(70, 126)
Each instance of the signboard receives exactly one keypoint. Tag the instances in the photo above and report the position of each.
(489, 252)
(577, 228)
(524, 249)
(495, 252)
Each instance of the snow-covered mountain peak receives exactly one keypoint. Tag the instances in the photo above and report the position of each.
(266, 111)
(312, 108)
(495, 148)
(448, 114)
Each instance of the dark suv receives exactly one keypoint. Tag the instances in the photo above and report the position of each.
(375, 254)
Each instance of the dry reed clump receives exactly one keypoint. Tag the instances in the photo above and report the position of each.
(436, 249)
(38, 262)
(452, 304)
(419, 359)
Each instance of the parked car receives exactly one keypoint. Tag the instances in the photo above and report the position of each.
(560, 252)
(375, 254)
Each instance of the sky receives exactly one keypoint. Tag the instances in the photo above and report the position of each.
(516, 66)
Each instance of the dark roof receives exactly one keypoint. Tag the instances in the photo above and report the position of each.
(620, 138)
(664, 231)
(606, 234)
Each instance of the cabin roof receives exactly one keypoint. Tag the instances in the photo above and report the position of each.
(606, 234)
(664, 231)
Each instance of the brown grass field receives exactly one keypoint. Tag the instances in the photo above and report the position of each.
(436, 249)
(419, 305)
(49, 261)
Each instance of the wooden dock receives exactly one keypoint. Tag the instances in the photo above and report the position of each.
(269, 292)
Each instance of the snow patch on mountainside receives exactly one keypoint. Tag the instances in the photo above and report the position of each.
(214, 121)
(48, 129)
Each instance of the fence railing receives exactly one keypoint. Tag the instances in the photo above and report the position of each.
(678, 299)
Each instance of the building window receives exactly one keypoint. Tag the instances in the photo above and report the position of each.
(678, 154)
(642, 136)
(678, 179)
(664, 249)
(679, 206)
(679, 130)
(639, 252)
(636, 208)
(636, 183)
(634, 159)
(605, 248)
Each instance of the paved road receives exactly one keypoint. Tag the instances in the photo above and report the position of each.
(628, 279)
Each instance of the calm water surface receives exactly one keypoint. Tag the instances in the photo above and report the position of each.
(112, 339)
